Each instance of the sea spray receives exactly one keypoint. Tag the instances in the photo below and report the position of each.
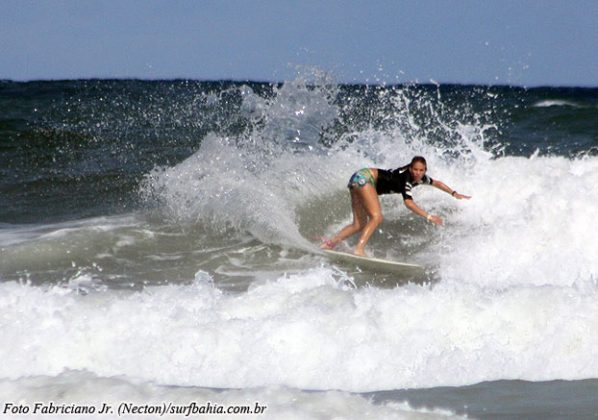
(299, 147)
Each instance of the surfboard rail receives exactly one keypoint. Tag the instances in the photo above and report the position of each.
(374, 264)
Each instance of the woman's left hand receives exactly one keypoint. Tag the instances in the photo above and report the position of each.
(461, 196)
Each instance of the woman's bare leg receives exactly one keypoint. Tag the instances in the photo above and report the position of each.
(359, 220)
(365, 205)
(371, 205)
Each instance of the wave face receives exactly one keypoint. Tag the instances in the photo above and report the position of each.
(165, 231)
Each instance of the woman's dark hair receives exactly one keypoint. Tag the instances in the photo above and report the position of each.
(420, 159)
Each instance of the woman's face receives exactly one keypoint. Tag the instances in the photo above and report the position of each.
(418, 170)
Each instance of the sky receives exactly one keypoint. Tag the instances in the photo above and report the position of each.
(516, 42)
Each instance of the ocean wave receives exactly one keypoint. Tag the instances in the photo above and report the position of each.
(546, 103)
(307, 331)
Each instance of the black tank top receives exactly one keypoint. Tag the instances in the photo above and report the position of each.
(398, 181)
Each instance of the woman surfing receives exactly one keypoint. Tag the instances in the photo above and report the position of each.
(367, 184)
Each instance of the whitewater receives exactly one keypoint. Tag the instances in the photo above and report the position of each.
(213, 287)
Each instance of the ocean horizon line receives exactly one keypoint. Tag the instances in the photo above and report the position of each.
(280, 82)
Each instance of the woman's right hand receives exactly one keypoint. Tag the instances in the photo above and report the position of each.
(437, 220)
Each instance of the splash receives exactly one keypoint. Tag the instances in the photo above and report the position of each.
(300, 144)
(528, 224)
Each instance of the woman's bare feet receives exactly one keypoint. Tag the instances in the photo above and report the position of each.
(327, 244)
(360, 252)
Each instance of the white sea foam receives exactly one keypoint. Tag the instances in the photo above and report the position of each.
(555, 102)
(530, 223)
(17, 234)
(307, 331)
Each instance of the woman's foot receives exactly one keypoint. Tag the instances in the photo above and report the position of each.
(359, 252)
(327, 244)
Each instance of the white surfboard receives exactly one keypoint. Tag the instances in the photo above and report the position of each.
(375, 264)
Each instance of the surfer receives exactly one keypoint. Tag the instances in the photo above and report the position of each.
(367, 184)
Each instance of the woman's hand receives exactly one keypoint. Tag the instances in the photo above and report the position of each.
(442, 186)
(460, 196)
(437, 220)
